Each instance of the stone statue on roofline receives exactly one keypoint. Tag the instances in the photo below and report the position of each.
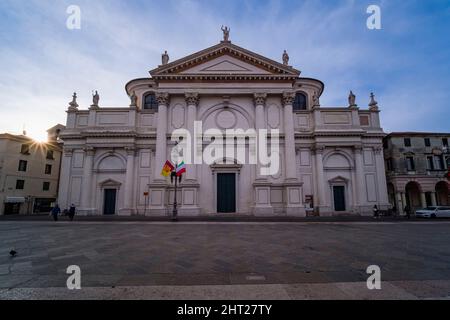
(285, 58)
(133, 99)
(165, 58)
(373, 104)
(73, 105)
(95, 100)
(351, 99)
(226, 33)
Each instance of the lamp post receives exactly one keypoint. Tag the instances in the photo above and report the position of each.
(174, 179)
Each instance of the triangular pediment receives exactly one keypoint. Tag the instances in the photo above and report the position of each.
(225, 64)
(224, 59)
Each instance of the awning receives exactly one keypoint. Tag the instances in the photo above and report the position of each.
(15, 200)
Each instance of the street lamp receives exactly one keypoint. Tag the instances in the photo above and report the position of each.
(174, 180)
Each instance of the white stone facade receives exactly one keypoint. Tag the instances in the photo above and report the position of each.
(325, 152)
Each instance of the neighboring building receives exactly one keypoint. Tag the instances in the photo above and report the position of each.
(416, 167)
(331, 158)
(29, 173)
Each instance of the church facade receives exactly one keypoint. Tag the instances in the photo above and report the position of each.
(330, 158)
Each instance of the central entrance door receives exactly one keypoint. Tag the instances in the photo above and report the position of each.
(339, 198)
(226, 192)
(109, 206)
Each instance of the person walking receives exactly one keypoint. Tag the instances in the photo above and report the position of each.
(375, 212)
(71, 212)
(55, 212)
(408, 211)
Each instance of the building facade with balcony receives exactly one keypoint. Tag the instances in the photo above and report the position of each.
(29, 173)
(331, 159)
(416, 167)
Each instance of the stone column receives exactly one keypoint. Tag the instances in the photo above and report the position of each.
(359, 171)
(86, 192)
(404, 200)
(129, 206)
(423, 200)
(65, 172)
(433, 199)
(289, 137)
(260, 101)
(192, 100)
(383, 199)
(399, 203)
(161, 135)
(320, 176)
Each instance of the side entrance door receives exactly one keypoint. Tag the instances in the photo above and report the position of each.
(226, 192)
(339, 198)
(109, 205)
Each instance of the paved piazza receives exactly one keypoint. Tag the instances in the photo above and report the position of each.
(256, 260)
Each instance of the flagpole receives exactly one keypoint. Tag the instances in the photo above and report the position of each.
(175, 209)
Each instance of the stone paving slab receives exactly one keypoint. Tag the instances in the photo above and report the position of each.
(310, 291)
(130, 254)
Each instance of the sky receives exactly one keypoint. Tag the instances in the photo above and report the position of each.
(406, 63)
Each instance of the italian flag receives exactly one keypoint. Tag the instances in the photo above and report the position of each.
(181, 168)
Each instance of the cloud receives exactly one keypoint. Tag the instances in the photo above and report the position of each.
(42, 62)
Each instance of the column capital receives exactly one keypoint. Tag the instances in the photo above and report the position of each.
(68, 151)
(288, 97)
(89, 150)
(131, 151)
(162, 98)
(260, 98)
(378, 149)
(319, 149)
(192, 98)
(358, 149)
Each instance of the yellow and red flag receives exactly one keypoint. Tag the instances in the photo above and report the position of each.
(167, 169)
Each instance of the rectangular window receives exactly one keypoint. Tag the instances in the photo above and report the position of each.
(23, 165)
(48, 169)
(407, 142)
(410, 164)
(46, 186)
(430, 164)
(445, 142)
(438, 163)
(25, 149)
(50, 155)
(427, 142)
(20, 184)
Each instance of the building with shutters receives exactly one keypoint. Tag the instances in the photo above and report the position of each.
(29, 173)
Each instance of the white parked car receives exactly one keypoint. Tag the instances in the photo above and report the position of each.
(434, 212)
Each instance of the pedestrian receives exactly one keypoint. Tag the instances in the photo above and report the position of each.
(375, 212)
(408, 211)
(55, 211)
(71, 211)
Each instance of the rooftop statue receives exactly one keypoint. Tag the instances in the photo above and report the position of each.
(95, 99)
(165, 58)
(226, 33)
(133, 99)
(73, 104)
(351, 99)
(285, 58)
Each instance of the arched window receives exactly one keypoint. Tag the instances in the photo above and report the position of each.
(150, 102)
(299, 102)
